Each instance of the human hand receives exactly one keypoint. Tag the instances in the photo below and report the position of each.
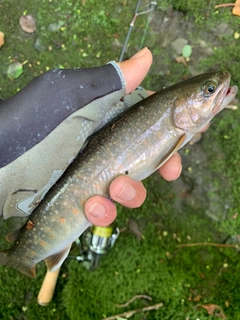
(45, 125)
(42, 123)
(129, 193)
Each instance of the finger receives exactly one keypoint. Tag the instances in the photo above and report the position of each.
(100, 211)
(150, 92)
(128, 192)
(206, 127)
(135, 69)
(172, 169)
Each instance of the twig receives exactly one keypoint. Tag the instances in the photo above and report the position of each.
(141, 296)
(128, 314)
(163, 206)
(210, 244)
(225, 5)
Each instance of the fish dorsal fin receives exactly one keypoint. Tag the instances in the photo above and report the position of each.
(55, 261)
(175, 148)
(12, 236)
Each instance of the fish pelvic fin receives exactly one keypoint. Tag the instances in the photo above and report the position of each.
(6, 260)
(175, 148)
(55, 261)
(12, 236)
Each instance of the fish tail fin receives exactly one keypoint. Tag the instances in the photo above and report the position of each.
(3, 257)
(5, 260)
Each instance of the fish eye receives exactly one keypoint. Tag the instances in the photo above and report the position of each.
(209, 87)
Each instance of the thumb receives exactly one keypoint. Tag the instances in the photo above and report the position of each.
(136, 68)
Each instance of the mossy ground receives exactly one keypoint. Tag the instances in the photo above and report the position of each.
(90, 33)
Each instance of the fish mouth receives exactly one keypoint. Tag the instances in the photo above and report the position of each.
(226, 99)
(230, 95)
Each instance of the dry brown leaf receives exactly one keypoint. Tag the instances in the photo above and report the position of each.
(1, 39)
(27, 23)
(133, 227)
(235, 215)
(197, 298)
(236, 8)
(181, 59)
(211, 308)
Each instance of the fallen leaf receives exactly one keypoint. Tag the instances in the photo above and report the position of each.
(197, 298)
(14, 70)
(27, 23)
(187, 51)
(236, 8)
(1, 39)
(181, 59)
(133, 227)
(211, 308)
(235, 215)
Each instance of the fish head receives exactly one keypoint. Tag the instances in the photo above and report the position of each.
(200, 98)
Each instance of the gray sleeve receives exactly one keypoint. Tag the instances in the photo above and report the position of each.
(31, 115)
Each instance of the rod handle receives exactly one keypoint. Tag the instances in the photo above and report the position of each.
(48, 286)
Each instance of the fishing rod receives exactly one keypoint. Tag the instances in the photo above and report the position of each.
(152, 7)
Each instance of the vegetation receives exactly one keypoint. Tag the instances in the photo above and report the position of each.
(73, 33)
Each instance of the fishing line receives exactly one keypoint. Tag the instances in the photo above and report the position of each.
(152, 7)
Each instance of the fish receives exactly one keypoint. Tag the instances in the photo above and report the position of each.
(135, 144)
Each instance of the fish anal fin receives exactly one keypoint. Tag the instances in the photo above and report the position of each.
(12, 236)
(30, 272)
(55, 261)
(174, 149)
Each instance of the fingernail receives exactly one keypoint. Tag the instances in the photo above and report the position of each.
(127, 192)
(97, 210)
(140, 53)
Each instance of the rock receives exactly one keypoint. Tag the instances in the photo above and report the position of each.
(39, 46)
(223, 29)
(178, 44)
(206, 49)
(56, 26)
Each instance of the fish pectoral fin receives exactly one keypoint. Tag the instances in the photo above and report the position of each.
(12, 236)
(174, 149)
(55, 261)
